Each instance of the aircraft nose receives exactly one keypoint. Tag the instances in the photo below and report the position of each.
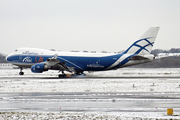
(8, 58)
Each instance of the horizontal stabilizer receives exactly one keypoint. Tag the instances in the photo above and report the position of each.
(138, 58)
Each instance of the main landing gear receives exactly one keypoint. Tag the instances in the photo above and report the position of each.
(21, 72)
(78, 75)
(63, 75)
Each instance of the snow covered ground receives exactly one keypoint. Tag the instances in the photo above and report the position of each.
(31, 82)
(10, 81)
(123, 72)
(90, 85)
(87, 116)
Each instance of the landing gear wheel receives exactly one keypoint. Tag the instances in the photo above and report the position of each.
(21, 73)
(78, 75)
(62, 75)
(73, 75)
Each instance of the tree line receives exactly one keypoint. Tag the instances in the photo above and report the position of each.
(2, 58)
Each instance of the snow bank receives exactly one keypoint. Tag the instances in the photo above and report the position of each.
(123, 72)
(140, 72)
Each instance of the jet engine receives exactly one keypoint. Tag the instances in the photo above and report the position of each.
(39, 68)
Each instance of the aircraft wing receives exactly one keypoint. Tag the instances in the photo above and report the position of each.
(52, 61)
(55, 63)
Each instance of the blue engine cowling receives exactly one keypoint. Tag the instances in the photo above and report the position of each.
(39, 68)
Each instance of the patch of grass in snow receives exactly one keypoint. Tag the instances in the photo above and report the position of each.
(167, 73)
(175, 115)
(87, 90)
(126, 73)
(151, 89)
(2, 112)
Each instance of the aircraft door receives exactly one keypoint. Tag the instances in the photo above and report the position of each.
(20, 58)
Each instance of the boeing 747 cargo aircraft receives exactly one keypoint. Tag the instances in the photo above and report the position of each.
(41, 60)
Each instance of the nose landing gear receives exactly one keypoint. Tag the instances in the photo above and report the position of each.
(21, 72)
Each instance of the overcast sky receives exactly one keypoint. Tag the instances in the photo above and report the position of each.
(93, 25)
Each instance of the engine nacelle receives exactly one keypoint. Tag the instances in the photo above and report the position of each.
(39, 68)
